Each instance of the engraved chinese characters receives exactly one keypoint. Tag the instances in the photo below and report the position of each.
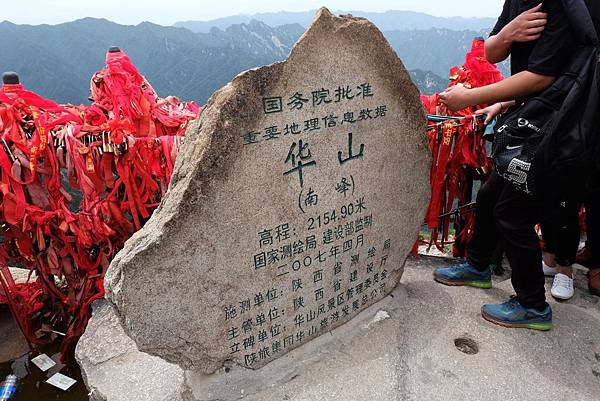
(292, 207)
(330, 266)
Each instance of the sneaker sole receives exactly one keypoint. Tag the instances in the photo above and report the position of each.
(530, 326)
(477, 284)
(561, 298)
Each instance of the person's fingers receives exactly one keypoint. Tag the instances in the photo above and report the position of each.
(534, 31)
(490, 112)
(536, 23)
(485, 110)
(446, 92)
(530, 38)
(527, 36)
(536, 16)
(534, 9)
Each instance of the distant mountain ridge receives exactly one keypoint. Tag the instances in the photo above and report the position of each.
(428, 82)
(57, 61)
(385, 21)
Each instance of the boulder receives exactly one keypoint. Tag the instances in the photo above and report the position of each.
(293, 205)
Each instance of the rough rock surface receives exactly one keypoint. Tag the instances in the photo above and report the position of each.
(114, 369)
(293, 205)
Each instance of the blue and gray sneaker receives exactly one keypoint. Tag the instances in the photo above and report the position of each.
(464, 274)
(512, 314)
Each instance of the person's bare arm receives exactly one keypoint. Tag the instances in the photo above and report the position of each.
(497, 49)
(525, 28)
(494, 110)
(518, 86)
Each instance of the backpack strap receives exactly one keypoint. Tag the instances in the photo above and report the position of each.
(581, 21)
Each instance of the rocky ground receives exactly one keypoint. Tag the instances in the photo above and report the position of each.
(413, 355)
(12, 344)
(426, 342)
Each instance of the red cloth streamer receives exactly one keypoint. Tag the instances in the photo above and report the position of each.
(458, 149)
(75, 184)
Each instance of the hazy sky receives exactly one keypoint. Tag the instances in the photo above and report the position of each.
(166, 12)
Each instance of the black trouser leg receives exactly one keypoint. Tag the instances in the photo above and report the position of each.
(561, 232)
(516, 216)
(504, 212)
(485, 235)
(592, 212)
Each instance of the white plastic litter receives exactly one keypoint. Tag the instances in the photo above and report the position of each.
(61, 381)
(43, 362)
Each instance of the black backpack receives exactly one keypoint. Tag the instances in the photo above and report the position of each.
(551, 141)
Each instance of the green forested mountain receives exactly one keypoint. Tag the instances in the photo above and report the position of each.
(57, 61)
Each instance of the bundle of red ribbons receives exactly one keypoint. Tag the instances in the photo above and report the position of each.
(459, 153)
(76, 183)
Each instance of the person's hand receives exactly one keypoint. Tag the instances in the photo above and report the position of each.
(528, 26)
(491, 112)
(456, 97)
